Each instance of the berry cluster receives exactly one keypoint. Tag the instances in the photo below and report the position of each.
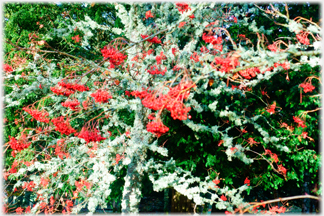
(155, 70)
(204, 49)
(148, 14)
(282, 169)
(62, 126)
(285, 65)
(212, 39)
(127, 93)
(59, 149)
(157, 128)
(71, 104)
(174, 50)
(247, 181)
(225, 64)
(114, 56)
(302, 38)
(172, 101)
(152, 40)
(300, 122)
(272, 108)
(44, 182)
(274, 156)
(7, 68)
(76, 39)
(176, 68)
(69, 204)
(13, 167)
(61, 91)
(118, 158)
(139, 94)
(183, 7)
(308, 87)
(249, 72)
(195, 57)
(160, 57)
(38, 115)
(101, 96)
(73, 87)
(66, 89)
(82, 183)
(30, 185)
(181, 24)
(273, 47)
(20, 144)
(90, 135)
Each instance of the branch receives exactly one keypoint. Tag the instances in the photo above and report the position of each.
(283, 199)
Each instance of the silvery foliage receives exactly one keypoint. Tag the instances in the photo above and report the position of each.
(163, 174)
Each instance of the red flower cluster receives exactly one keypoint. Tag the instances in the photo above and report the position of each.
(157, 128)
(90, 135)
(308, 87)
(225, 64)
(38, 115)
(183, 7)
(19, 145)
(300, 122)
(212, 39)
(155, 70)
(114, 56)
(152, 40)
(192, 16)
(195, 57)
(7, 68)
(302, 38)
(101, 96)
(160, 57)
(71, 104)
(62, 126)
(148, 14)
(249, 72)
